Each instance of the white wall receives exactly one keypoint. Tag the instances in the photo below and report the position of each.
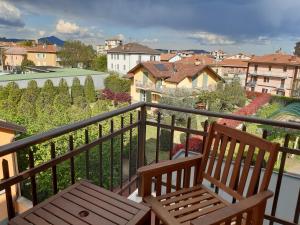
(117, 63)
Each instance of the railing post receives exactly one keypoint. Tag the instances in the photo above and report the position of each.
(142, 137)
(9, 200)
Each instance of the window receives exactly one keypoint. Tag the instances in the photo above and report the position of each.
(117, 56)
(282, 83)
(143, 97)
(264, 90)
(266, 79)
(124, 67)
(252, 88)
(124, 57)
(41, 55)
(270, 68)
(152, 57)
(140, 58)
(284, 68)
(255, 68)
(112, 66)
(112, 56)
(117, 66)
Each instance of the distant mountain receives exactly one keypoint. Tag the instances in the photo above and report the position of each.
(51, 40)
(4, 39)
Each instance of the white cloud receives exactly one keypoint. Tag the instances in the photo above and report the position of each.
(146, 40)
(42, 32)
(65, 27)
(211, 39)
(10, 15)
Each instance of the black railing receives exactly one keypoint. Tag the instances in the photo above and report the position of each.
(96, 149)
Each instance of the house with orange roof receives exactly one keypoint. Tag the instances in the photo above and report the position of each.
(199, 59)
(13, 57)
(276, 73)
(170, 57)
(232, 68)
(154, 79)
(43, 55)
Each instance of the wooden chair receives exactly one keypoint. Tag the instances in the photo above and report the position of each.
(225, 164)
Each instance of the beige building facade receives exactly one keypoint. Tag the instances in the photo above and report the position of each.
(276, 74)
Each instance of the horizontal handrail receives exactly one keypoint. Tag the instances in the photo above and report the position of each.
(291, 125)
(42, 137)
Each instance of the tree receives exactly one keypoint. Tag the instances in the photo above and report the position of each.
(89, 89)
(297, 49)
(26, 63)
(49, 89)
(63, 87)
(75, 52)
(117, 84)
(100, 63)
(76, 89)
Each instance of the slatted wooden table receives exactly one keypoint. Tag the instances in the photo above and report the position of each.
(84, 203)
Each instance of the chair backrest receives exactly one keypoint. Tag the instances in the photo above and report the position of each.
(228, 156)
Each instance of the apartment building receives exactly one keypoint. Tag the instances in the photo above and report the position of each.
(43, 55)
(13, 57)
(276, 73)
(159, 78)
(170, 57)
(108, 44)
(232, 68)
(125, 57)
(218, 55)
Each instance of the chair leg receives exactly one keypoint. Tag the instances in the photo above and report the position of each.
(258, 213)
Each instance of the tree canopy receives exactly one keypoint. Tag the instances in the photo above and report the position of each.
(74, 53)
(26, 63)
(89, 89)
(100, 63)
(297, 49)
(116, 83)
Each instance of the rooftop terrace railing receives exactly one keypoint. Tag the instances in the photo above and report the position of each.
(107, 149)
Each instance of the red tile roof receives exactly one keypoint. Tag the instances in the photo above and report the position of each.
(276, 58)
(16, 51)
(43, 48)
(167, 56)
(234, 63)
(202, 59)
(172, 72)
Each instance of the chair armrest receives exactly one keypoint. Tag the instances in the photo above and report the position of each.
(146, 173)
(168, 166)
(244, 206)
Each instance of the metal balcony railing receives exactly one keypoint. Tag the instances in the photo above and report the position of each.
(97, 149)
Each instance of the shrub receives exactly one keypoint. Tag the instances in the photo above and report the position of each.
(89, 89)
(164, 137)
(116, 83)
(119, 97)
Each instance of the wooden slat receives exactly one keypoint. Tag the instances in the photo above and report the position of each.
(49, 217)
(228, 161)
(178, 179)
(187, 177)
(36, 220)
(200, 213)
(75, 209)
(183, 197)
(19, 220)
(246, 168)
(220, 158)
(213, 153)
(91, 207)
(169, 180)
(237, 165)
(178, 193)
(158, 186)
(255, 174)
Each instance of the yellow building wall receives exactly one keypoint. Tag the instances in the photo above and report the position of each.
(49, 60)
(13, 60)
(138, 77)
(7, 137)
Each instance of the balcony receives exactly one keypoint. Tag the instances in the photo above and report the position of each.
(148, 86)
(122, 149)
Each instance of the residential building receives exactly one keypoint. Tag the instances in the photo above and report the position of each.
(170, 57)
(14, 57)
(232, 68)
(241, 56)
(276, 73)
(125, 57)
(198, 59)
(218, 55)
(8, 132)
(159, 78)
(43, 55)
(108, 44)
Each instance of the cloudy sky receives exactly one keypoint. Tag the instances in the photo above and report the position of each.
(253, 26)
